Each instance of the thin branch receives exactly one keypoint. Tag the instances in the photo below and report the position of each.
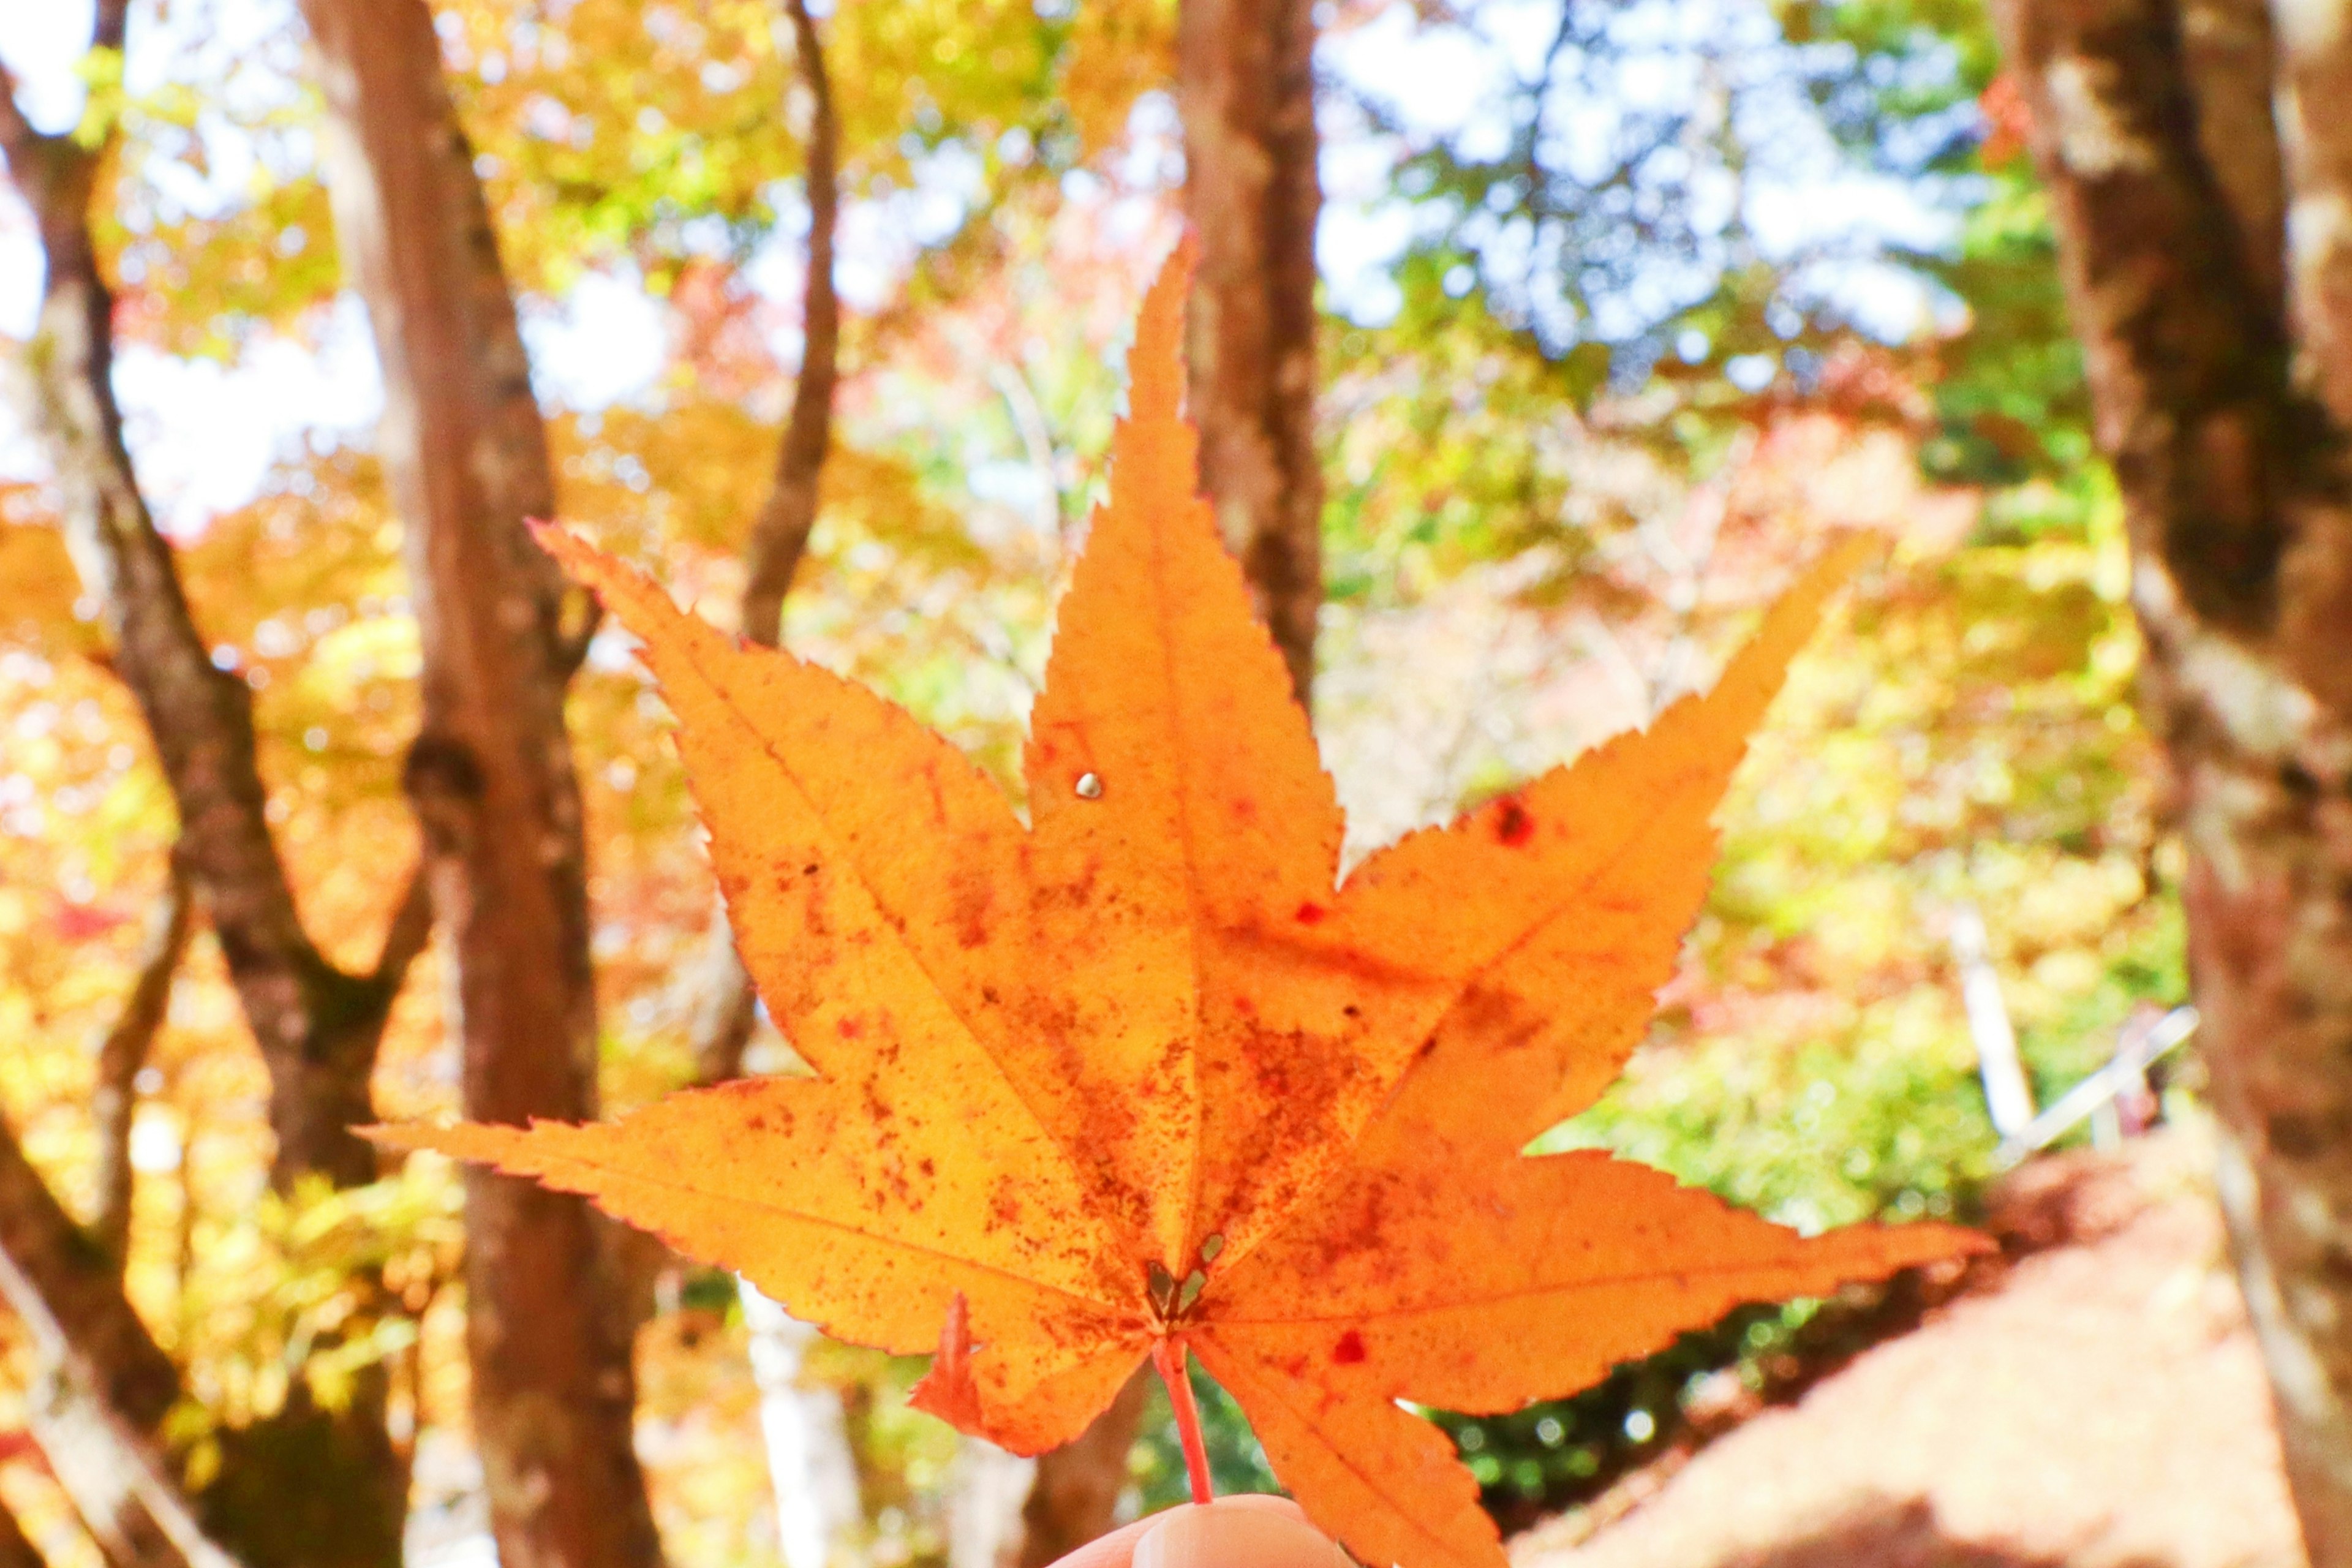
(1036, 444)
(723, 1022)
(122, 1052)
(405, 937)
(726, 1011)
(18, 136)
(780, 537)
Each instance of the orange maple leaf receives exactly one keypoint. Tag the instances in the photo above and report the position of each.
(1142, 1077)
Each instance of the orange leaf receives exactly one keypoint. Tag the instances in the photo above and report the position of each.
(947, 1390)
(1139, 1076)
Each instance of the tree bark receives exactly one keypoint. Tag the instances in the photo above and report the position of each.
(122, 1051)
(2316, 60)
(724, 1020)
(2235, 488)
(1245, 86)
(2230, 58)
(491, 778)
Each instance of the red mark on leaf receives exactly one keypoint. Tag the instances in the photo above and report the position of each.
(1349, 1349)
(1312, 914)
(1513, 825)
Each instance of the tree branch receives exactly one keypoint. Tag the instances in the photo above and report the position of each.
(780, 537)
(722, 1024)
(404, 939)
(66, 1292)
(108, 1386)
(17, 135)
(122, 1051)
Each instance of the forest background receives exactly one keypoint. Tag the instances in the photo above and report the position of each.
(1623, 309)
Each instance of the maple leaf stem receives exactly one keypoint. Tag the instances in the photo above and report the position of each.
(1168, 1356)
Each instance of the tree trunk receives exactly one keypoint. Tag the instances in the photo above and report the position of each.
(491, 778)
(2152, 131)
(1073, 1497)
(810, 1469)
(1245, 84)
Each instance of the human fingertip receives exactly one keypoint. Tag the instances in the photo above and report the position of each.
(1238, 1533)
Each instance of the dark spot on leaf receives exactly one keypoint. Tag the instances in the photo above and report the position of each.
(1513, 825)
(1349, 1349)
(1312, 914)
